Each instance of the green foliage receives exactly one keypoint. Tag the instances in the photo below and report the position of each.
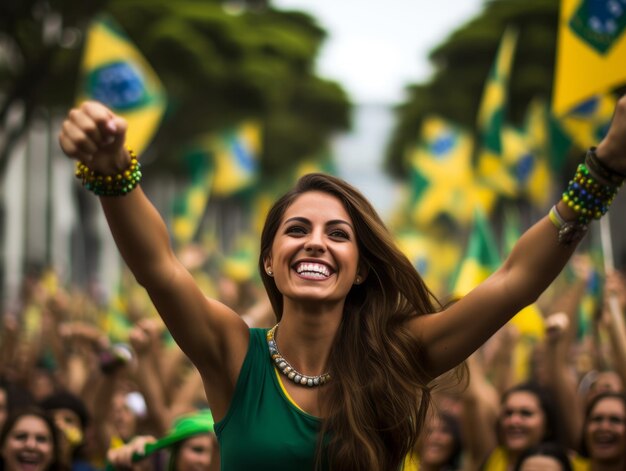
(462, 63)
(219, 68)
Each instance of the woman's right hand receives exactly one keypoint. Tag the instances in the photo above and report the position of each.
(94, 135)
(122, 457)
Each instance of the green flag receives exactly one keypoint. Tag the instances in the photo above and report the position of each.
(491, 115)
(481, 257)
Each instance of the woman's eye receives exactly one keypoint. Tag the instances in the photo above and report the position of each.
(339, 234)
(295, 230)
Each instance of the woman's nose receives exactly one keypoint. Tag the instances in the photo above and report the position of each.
(315, 243)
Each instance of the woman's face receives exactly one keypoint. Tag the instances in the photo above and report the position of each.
(123, 417)
(28, 446)
(605, 434)
(195, 454)
(541, 463)
(314, 254)
(438, 443)
(522, 421)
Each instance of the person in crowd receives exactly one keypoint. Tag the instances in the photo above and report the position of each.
(604, 433)
(544, 457)
(191, 445)
(28, 440)
(343, 380)
(526, 419)
(440, 448)
(71, 418)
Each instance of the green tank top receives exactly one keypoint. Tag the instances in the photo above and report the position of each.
(263, 430)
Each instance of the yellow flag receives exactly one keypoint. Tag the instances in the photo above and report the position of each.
(589, 121)
(591, 51)
(490, 167)
(442, 177)
(236, 155)
(115, 73)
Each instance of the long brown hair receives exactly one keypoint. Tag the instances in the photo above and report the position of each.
(57, 463)
(378, 399)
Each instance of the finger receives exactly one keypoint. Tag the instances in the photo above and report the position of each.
(70, 148)
(117, 131)
(111, 127)
(82, 135)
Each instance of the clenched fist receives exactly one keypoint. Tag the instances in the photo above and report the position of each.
(94, 135)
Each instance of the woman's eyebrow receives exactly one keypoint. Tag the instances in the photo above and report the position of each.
(297, 219)
(339, 221)
(332, 222)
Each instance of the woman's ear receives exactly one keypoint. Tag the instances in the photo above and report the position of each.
(361, 274)
(267, 264)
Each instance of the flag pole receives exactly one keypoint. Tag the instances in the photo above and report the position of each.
(615, 311)
(607, 244)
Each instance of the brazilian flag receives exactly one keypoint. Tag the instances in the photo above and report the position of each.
(442, 177)
(189, 206)
(481, 257)
(591, 51)
(491, 169)
(236, 155)
(115, 73)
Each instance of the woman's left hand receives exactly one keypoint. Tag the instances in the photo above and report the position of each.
(612, 149)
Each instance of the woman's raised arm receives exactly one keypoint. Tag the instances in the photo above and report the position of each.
(537, 258)
(212, 335)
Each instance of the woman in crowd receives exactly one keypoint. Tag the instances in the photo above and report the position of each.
(527, 419)
(440, 448)
(604, 433)
(28, 440)
(342, 382)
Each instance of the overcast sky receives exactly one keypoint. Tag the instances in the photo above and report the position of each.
(376, 47)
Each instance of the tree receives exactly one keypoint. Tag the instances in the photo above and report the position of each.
(219, 65)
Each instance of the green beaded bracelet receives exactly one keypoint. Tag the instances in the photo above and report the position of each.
(588, 197)
(119, 184)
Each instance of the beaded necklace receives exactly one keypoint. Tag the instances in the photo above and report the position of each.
(289, 371)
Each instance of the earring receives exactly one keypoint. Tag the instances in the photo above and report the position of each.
(270, 272)
(357, 280)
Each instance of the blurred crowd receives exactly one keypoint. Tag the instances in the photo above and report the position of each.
(86, 385)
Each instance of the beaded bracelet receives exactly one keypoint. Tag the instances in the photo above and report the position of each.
(588, 197)
(600, 171)
(119, 184)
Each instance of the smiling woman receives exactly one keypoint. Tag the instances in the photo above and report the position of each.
(28, 442)
(351, 307)
(604, 431)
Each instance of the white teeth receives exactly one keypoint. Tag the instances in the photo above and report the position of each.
(313, 269)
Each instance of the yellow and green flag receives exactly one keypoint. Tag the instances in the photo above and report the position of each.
(435, 258)
(190, 205)
(491, 169)
(442, 178)
(115, 73)
(525, 153)
(236, 155)
(589, 121)
(481, 257)
(591, 51)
